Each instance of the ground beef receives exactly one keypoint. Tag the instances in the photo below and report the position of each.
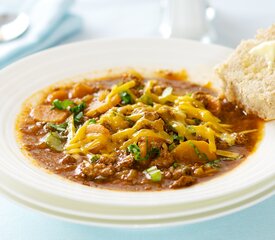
(183, 181)
(98, 170)
(241, 138)
(124, 162)
(210, 102)
(165, 159)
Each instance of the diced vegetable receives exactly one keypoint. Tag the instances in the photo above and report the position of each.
(201, 155)
(71, 128)
(53, 140)
(153, 173)
(81, 89)
(166, 92)
(44, 113)
(59, 94)
(78, 117)
(190, 152)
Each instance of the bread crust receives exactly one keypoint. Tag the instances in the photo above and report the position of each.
(248, 80)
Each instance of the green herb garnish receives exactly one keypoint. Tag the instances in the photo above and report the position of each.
(78, 111)
(177, 137)
(135, 150)
(175, 165)
(94, 158)
(78, 117)
(92, 121)
(153, 153)
(197, 121)
(214, 164)
(59, 127)
(78, 108)
(62, 105)
(125, 98)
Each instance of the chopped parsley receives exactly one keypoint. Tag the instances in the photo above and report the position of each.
(175, 165)
(78, 117)
(126, 98)
(154, 152)
(94, 158)
(78, 108)
(135, 150)
(214, 164)
(197, 121)
(176, 137)
(92, 121)
(78, 112)
(62, 105)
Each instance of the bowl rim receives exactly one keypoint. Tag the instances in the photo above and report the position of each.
(21, 63)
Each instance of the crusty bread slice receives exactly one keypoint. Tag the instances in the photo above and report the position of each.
(248, 80)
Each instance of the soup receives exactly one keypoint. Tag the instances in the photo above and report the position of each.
(132, 133)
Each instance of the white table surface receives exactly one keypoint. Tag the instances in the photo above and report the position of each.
(235, 19)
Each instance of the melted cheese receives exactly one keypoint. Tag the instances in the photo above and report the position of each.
(180, 115)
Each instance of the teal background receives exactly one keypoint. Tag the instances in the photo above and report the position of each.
(254, 223)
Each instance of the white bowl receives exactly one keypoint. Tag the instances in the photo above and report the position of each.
(35, 187)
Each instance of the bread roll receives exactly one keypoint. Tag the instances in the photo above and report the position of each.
(249, 79)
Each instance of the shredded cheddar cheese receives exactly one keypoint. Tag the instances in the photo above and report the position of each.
(129, 124)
